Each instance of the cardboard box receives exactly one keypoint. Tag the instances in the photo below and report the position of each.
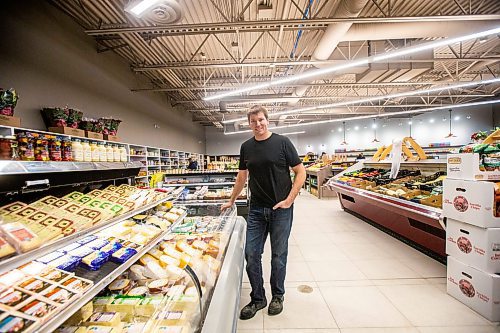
(93, 135)
(466, 166)
(68, 131)
(10, 121)
(470, 202)
(477, 289)
(113, 138)
(473, 245)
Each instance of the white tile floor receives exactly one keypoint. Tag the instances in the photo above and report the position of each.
(363, 281)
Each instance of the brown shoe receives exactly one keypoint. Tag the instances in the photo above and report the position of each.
(276, 305)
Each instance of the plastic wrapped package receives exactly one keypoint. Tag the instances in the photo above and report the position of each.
(77, 284)
(56, 275)
(95, 260)
(35, 285)
(59, 295)
(112, 248)
(122, 255)
(66, 263)
(12, 277)
(50, 257)
(16, 323)
(38, 309)
(21, 237)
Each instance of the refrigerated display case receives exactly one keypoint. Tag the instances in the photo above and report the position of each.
(415, 223)
(131, 235)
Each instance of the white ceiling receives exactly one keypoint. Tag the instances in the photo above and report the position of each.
(221, 45)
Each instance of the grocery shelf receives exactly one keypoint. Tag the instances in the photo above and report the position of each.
(137, 155)
(101, 278)
(20, 259)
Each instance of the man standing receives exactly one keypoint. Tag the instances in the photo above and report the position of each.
(266, 159)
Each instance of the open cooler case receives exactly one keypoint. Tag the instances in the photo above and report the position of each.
(69, 232)
(408, 207)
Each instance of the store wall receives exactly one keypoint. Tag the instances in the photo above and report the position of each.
(50, 61)
(426, 128)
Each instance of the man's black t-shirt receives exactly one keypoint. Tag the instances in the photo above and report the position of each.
(268, 162)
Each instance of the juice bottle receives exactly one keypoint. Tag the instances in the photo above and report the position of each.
(26, 147)
(77, 150)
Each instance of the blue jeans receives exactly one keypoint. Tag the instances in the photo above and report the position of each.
(261, 222)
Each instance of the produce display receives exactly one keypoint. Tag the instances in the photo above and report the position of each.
(155, 294)
(28, 226)
(409, 185)
(489, 155)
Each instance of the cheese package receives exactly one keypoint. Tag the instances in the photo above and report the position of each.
(83, 314)
(55, 275)
(12, 207)
(120, 286)
(176, 291)
(153, 270)
(136, 272)
(33, 268)
(61, 202)
(156, 253)
(100, 304)
(158, 286)
(124, 305)
(97, 244)
(73, 195)
(69, 248)
(87, 239)
(66, 263)
(170, 317)
(122, 255)
(77, 284)
(11, 277)
(21, 237)
(168, 260)
(44, 202)
(149, 305)
(84, 199)
(94, 193)
(13, 297)
(59, 295)
(50, 257)
(95, 260)
(134, 327)
(111, 248)
(71, 329)
(45, 233)
(34, 285)
(38, 309)
(16, 323)
(138, 291)
(104, 319)
(5, 248)
(105, 329)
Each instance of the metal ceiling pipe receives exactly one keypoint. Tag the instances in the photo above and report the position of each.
(332, 36)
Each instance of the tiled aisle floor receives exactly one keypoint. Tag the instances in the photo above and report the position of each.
(363, 281)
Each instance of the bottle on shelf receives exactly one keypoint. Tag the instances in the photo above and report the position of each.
(123, 154)
(77, 150)
(103, 157)
(87, 152)
(94, 149)
(67, 150)
(116, 153)
(109, 153)
(55, 149)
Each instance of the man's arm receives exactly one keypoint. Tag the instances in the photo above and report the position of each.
(241, 179)
(299, 179)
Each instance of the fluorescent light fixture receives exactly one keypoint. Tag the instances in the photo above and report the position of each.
(377, 98)
(340, 129)
(140, 7)
(431, 120)
(374, 126)
(356, 128)
(456, 118)
(354, 63)
(388, 114)
(290, 133)
(410, 122)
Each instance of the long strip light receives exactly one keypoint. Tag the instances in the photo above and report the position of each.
(376, 98)
(388, 114)
(355, 63)
(290, 133)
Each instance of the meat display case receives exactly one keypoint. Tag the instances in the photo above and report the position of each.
(29, 183)
(414, 223)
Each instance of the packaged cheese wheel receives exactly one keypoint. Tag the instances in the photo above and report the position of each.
(120, 286)
(153, 270)
(138, 291)
(200, 245)
(146, 258)
(156, 253)
(158, 286)
(169, 250)
(137, 272)
(21, 237)
(174, 272)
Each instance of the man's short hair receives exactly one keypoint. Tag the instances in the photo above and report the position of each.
(256, 109)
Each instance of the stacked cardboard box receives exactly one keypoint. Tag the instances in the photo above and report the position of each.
(472, 236)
